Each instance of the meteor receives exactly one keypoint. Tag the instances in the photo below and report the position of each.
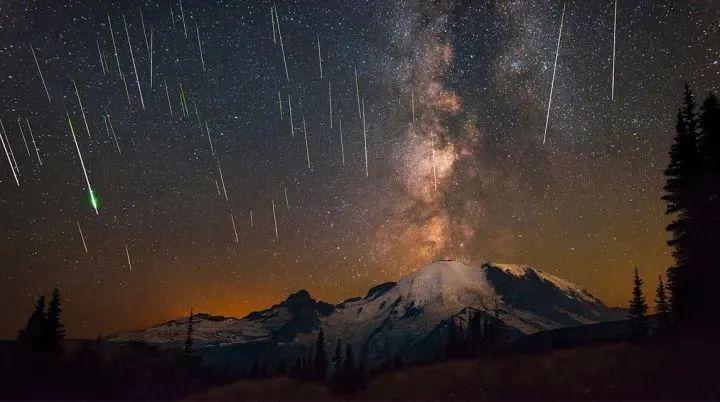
(252, 222)
(82, 109)
(222, 180)
(367, 174)
(282, 47)
(319, 56)
(151, 56)
(292, 127)
(232, 219)
(280, 105)
(12, 154)
(22, 134)
(137, 78)
(167, 93)
(40, 71)
(342, 145)
(182, 16)
(357, 92)
(275, 220)
(142, 21)
(7, 154)
(330, 98)
(102, 65)
(81, 236)
(112, 36)
(112, 129)
(612, 88)
(212, 150)
(272, 22)
(552, 83)
(197, 114)
(32, 137)
(287, 203)
(307, 150)
(127, 92)
(202, 61)
(93, 199)
(127, 253)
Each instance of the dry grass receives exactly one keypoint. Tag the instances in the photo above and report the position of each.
(686, 368)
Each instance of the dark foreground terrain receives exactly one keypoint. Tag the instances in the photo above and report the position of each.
(678, 367)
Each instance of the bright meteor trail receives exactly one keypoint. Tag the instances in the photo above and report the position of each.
(93, 200)
(552, 83)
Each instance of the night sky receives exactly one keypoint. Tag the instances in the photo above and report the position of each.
(585, 205)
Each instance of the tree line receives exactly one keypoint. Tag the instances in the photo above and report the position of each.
(692, 196)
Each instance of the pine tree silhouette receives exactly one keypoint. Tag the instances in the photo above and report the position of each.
(188, 346)
(661, 305)
(55, 329)
(706, 303)
(34, 334)
(638, 307)
(320, 360)
(682, 197)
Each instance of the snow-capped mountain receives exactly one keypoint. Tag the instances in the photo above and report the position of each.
(407, 318)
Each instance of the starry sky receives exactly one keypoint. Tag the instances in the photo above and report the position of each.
(455, 99)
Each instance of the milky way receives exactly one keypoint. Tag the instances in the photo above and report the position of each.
(455, 97)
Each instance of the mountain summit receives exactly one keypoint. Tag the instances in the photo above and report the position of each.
(407, 318)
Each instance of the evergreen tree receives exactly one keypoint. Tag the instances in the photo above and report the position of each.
(35, 332)
(682, 197)
(188, 347)
(55, 329)
(638, 307)
(661, 305)
(709, 149)
(320, 360)
(337, 358)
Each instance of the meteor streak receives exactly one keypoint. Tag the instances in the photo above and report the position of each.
(612, 88)
(137, 78)
(552, 83)
(81, 236)
(357, 93)
(222, 180)
(232, 219)
(367, 174)
(342, 145)
(7, 154)
(22, 134)
(292, 127)
(127, 92)
(202, 61)
(40, 71)
(330, 98)
(319, 56)
(32, 137)
(127, 253)
(287, 203)
(182, 16)
(275, 220)
(91, 194)
(282, 47)
(307, 150)
(167, 94)
(82, 109)
(112, 36)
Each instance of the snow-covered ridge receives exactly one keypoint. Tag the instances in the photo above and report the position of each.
(406, 317)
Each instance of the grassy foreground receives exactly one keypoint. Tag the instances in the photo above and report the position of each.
(686, 367)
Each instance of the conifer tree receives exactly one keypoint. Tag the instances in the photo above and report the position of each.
(661, 305)
(682, 198)
(55, 329)
(638, 307)
(35, 332)
(188, 346)
(337, 358)
(320, 360)
(709, 150)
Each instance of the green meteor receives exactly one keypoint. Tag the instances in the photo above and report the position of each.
(93, 200)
